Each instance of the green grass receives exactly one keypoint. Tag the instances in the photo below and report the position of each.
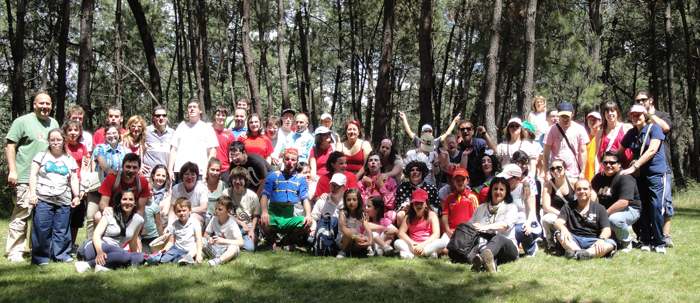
(284, 276)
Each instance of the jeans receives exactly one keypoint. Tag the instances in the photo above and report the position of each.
(173, 254)
(668, 203)
(50, 232)
(652, 187)
(620, 222)
(528, 241)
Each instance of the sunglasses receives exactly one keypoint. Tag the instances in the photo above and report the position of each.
(161, 116)
(556, 168)
(641, 100)
(611, 163)
(467, 129)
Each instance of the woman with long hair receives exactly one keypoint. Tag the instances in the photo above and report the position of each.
(610, 135)
(135, 137)
(355, 149)
(256, 142)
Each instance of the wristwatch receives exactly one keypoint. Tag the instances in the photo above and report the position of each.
(602, 238)
(636, 165)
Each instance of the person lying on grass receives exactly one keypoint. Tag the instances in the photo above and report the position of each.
(350, 221)
(383, 232)
(224, 239)
(583, 229)
(423, 226)
(104, 251)
(185, 242)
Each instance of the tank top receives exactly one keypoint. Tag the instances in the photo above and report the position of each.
(557, 201)
(356, 161)
(624, 159)
(420, 230)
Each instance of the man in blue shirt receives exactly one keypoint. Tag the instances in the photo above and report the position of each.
(301, 140)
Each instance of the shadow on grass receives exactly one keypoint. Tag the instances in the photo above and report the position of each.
(687, 212)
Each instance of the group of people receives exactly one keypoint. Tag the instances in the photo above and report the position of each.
(152, 194)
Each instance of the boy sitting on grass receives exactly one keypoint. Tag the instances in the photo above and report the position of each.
(185, 242)
(223, 235)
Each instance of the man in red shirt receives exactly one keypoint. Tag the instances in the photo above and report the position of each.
(114, 116)
(460, 205)
(223, 135)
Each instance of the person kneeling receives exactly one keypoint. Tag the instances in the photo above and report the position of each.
(583, 229)
(224, 239)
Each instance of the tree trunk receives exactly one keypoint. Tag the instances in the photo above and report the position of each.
(178, 54)
(203, 53)
(528, 82)
(62, 47)
(490, 78)
(692, 98)
(301, 86)
(383, 92)
(425, 49)
(336, 87)
(248, 58)
(117, 54)
(263, 54)
(671, 84)
(85, 57)
(280, 55)
(306, 64)
(654, 81)
(150, 50)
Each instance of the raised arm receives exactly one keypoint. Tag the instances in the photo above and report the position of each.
(406, 126)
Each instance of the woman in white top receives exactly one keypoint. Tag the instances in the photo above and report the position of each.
(538, 117)
(515, 141)
(196, 192)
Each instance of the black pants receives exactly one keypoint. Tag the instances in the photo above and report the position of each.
(503, 249)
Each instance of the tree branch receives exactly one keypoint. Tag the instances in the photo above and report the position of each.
(142, 83)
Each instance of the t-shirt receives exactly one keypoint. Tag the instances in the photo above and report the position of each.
(228, 230)
(192, 142)
(149, 224)
(667, 147)
(108, 183)
(478, 147)
(323, 186)
(587, 225)
(185, 235)
(87, 140)
(238, 132)
(245, 206)
(612, 189)
(323, 207)
(53, 179)
(99, 136)
(78, 151)
(459, 207)
(559, 148)
(519, 201)
(220, 191)
(112, 233)
(507, 150)
(303, 143)
(633, 140)
(540, 123)
(197, 196)
(260, 145)
(321, 159)
(279, 145)
(224, 137)
(158, 147)
(257, 168)
(31, 135)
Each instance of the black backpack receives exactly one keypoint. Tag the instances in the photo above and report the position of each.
(324, 240)
(464, 243)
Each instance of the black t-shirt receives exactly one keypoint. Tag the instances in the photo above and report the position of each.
(667, 149)
(612, 189)
(257, 168)
(590, 225)
(478, 147)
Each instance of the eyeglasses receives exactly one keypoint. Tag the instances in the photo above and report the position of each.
(513, 126)
(239, 180)
(556, 168)
(236, 155)
(611, 163)
(428, 131)
(467, 129)
(161, 115)
(641, 100)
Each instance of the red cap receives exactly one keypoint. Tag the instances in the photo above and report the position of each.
(460, 172)
(419, 195)
(451, 168)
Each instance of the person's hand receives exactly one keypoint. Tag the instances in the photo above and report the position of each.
(582, 175)
(628, 171)
(379, 182)
(75, 202)
(163, 213)
(243, 135)
(143, 232)
(367, 181)
(251, 235)
(12, 179)
(172, 175)
(481, 130)
(323, 196)
(276, 161)
(100, 258)
(111, 171)
(456, 119)
(391, 232)
(33, 200)
(145, 169)
(449, 232)
(565, 236)
(402, 115)
(199, 259)
(527, 230)
(107, 212)
(417, 249)
(82, 194)
(308, 221)
(214, 240)
(246, 229)
(467, 152)
(547, 177)
(442, 157)
(265, 219)
(599, 246)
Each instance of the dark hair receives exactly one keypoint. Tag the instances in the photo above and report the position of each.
(332, 159)
(479, 175)
(189, 167)
(115, 108)
(118, 212)
(359, 212)
(411, 214)
(237, 146)
(238, 172)
(68, 124)
(378, 204)
(226, 201)
(529, 134)
(421, 166)
(261, 131)
(610, 106)
(381, 157)
(520, 157)
(131, 157)
(301, 166)
(393, 153)
(273, 120)
(167, 174)
(611, 153)
(500, 180)
(212, 161)
(221, 108)
(157, 108)
(550, 110)
(644, 92)
(506, 131)
(243, 99)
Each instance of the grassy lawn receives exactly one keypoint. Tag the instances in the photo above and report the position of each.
(284, 276)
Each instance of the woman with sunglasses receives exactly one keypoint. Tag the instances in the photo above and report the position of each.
(515, 140)
(555, 194)
(646, 142)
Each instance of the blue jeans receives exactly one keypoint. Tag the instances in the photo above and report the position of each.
(668, 203)
(50, 232)
(528, 241)
(652, 187)
(620, 222)
(173, 254)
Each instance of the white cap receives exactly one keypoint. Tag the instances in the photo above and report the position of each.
(326, 116)
(594, 114)
(339, 179)
(515, 120)
(638, 108)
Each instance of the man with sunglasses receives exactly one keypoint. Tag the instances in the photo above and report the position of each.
(475, 148)
(662, 119)
(620, 196)
(158, 136)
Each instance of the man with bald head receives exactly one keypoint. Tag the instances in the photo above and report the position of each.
(302, 140)
(27, 136)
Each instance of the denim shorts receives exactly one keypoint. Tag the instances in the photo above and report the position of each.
(586, 242)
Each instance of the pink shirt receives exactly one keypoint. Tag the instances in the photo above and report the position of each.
(577, 136)
(420, 230)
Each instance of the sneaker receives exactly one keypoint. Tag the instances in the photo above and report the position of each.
(15, 258)
(379, 252)
(67, 260)
(370, 251)
(433, 256)
(661, 249)
(626, 247)
(185, 260)
(341, 255)
(387, 249)
(73, 250)
(406, 255)
(489, 261)
(532, 255)
(215, 262)
(669, 241)
(646, 247)
(583, 254)
(569, 254)
(43, 263)
(477, 263)
(290, 247)
(82, 266)
(100, 268)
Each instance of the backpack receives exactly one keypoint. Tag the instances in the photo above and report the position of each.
(324, 240)
(464, 243)
(118, 181)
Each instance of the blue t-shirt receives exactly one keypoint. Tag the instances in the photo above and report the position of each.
(478, 148)
(633, 140)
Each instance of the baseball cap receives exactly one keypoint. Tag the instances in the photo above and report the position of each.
(288, 110)
(339, 179)
(511, 170)
(427, 126)
(460, 172)
(451, 168)
(565, 109)
(528, 125)
(322, 130)
(638, 108)
(515, 120)
(326, 116)
(419, 195)
(594, 114)
(427, 142)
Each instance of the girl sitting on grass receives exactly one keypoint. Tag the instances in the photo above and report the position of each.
(424, 228)
(153, 223)
(350, 220)
(383, 231)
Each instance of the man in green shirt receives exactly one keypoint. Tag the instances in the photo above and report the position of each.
(28, 136)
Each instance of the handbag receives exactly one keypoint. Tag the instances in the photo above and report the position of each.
(91, 180)
(641, 152)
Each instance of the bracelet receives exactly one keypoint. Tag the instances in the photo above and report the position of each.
(353, 237)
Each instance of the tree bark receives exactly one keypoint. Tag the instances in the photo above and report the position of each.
(654, 81)
(150, 50)
(425, 49)
(117, 54)
(336, 87)
(671, 86)
(62, 47)
(85, 58)
(247, 57)
(490, 78)
(280, 55)
(306, 64)
(528, 82)
(203, 53)
(692, 98)
(383, 92)
(263, 54)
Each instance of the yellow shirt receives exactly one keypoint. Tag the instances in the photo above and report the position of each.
(590, 163)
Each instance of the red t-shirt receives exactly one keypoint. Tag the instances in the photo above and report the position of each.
(77, 151)
(459, 208)
(225, 138)
(99, 136)
(260, 145)
(321, 159)
(324, 183)
(108, 183)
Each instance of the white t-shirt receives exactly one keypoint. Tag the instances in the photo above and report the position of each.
(444, 191)
(229, 230)
(324, 207)
(540, 123)
(506, 150)
(519, 202)
(192, 142)
(185, 235)
(87, 140)
(197, 196)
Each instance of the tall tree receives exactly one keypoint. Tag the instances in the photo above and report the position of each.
(690, 64)
(529, 56)
(248, 58)
(383, 96)
(117, 54)
(489, 91)
(61, 72)
(280, 55)
(671, 83)
(262, 17)
(85, 59)
(654, 81)
(425, 49)
(150, 50)
(19, 105)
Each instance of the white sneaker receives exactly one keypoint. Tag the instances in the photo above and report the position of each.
(646, 247)
(215, 262)
(660, 249)
(537, 248)
(379, 252)
(15, 258)
(370, 251)
(341, 255)
(433, 256)
(406, 255)
(387, 249)
(100, 268)
(82, 266)
(626, 248)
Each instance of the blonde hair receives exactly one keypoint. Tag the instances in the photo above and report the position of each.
(538, 98)
(128, 137)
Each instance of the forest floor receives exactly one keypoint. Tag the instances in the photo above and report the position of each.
(295, 276)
